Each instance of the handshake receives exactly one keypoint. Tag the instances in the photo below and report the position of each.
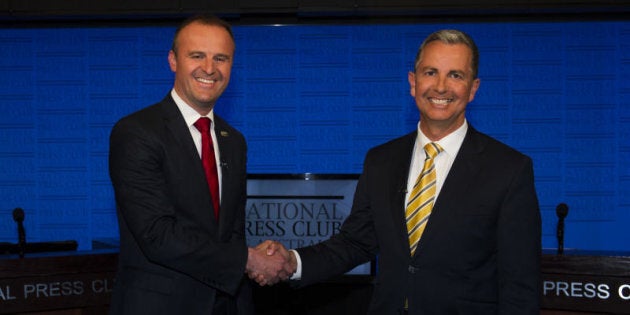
(270, 262)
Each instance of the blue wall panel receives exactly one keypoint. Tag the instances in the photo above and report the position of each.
(314, 99)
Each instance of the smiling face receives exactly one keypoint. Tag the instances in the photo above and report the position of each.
(202, 64)
(442, 85)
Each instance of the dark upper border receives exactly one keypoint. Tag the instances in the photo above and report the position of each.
(20, 12)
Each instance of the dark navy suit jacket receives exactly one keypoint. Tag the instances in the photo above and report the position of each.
(480, 251)
(174, 255)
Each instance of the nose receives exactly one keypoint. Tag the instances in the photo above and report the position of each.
(209, 66)
(440, 84)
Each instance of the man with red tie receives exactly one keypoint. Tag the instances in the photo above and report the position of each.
(179, 177)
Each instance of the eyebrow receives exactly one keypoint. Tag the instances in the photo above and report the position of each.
(195, 52)
(462, 72)
(222, 55)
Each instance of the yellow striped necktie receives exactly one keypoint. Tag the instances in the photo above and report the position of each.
(422, 196)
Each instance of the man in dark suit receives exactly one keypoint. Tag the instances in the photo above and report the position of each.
(481, 246)
(182, 249)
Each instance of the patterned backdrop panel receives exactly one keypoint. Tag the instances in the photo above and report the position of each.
(314, 99)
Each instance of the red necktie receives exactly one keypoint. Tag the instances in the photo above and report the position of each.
(209, 161)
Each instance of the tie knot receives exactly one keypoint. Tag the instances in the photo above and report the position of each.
(432, 149)
(203, 124)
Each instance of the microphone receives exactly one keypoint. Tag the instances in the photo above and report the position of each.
(35, 247)
(403, 188)
(18, 217)
(561, 211)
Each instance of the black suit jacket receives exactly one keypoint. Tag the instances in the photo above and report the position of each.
(174, 256)
(480, 251)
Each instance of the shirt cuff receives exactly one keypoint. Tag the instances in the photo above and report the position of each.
(297, 275)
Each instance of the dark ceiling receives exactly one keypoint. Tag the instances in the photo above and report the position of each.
(295, 11)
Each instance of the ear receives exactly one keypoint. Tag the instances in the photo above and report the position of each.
(473, 89)
(412, 83)
(172, 60)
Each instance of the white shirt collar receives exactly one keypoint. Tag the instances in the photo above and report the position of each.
(190, 115)
(451, 143)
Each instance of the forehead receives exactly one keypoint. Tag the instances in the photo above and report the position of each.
(441, 54)
(208, 38)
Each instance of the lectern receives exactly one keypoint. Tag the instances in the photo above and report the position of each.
(60, 283)
(592, 282)
(80, 283)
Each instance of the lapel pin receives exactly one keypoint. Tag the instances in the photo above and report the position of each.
(224, 133)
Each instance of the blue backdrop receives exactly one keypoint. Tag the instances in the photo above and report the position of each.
(313, 99)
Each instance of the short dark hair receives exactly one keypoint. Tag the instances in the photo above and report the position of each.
(452, 37)
(205, 19)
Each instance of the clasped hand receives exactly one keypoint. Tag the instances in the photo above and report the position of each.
(269, 263)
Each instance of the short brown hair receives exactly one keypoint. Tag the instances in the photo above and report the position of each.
(205, 19)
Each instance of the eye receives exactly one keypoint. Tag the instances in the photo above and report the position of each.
(221, 58)
(457, 75)
(429, 73)
(196, 56)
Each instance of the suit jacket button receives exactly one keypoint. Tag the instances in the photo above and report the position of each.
(412, 269)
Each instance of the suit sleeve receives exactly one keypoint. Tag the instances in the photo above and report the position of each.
(161, 218)
(356, 242)
(519, 246)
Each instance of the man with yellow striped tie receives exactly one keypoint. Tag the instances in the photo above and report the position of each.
(450, 213)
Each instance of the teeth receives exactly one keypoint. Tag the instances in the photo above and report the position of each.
(205, 80)
(440, 101)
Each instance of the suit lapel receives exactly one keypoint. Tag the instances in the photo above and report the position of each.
(460, 177)
(400, 163)
(226, 152)
(176, 125)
